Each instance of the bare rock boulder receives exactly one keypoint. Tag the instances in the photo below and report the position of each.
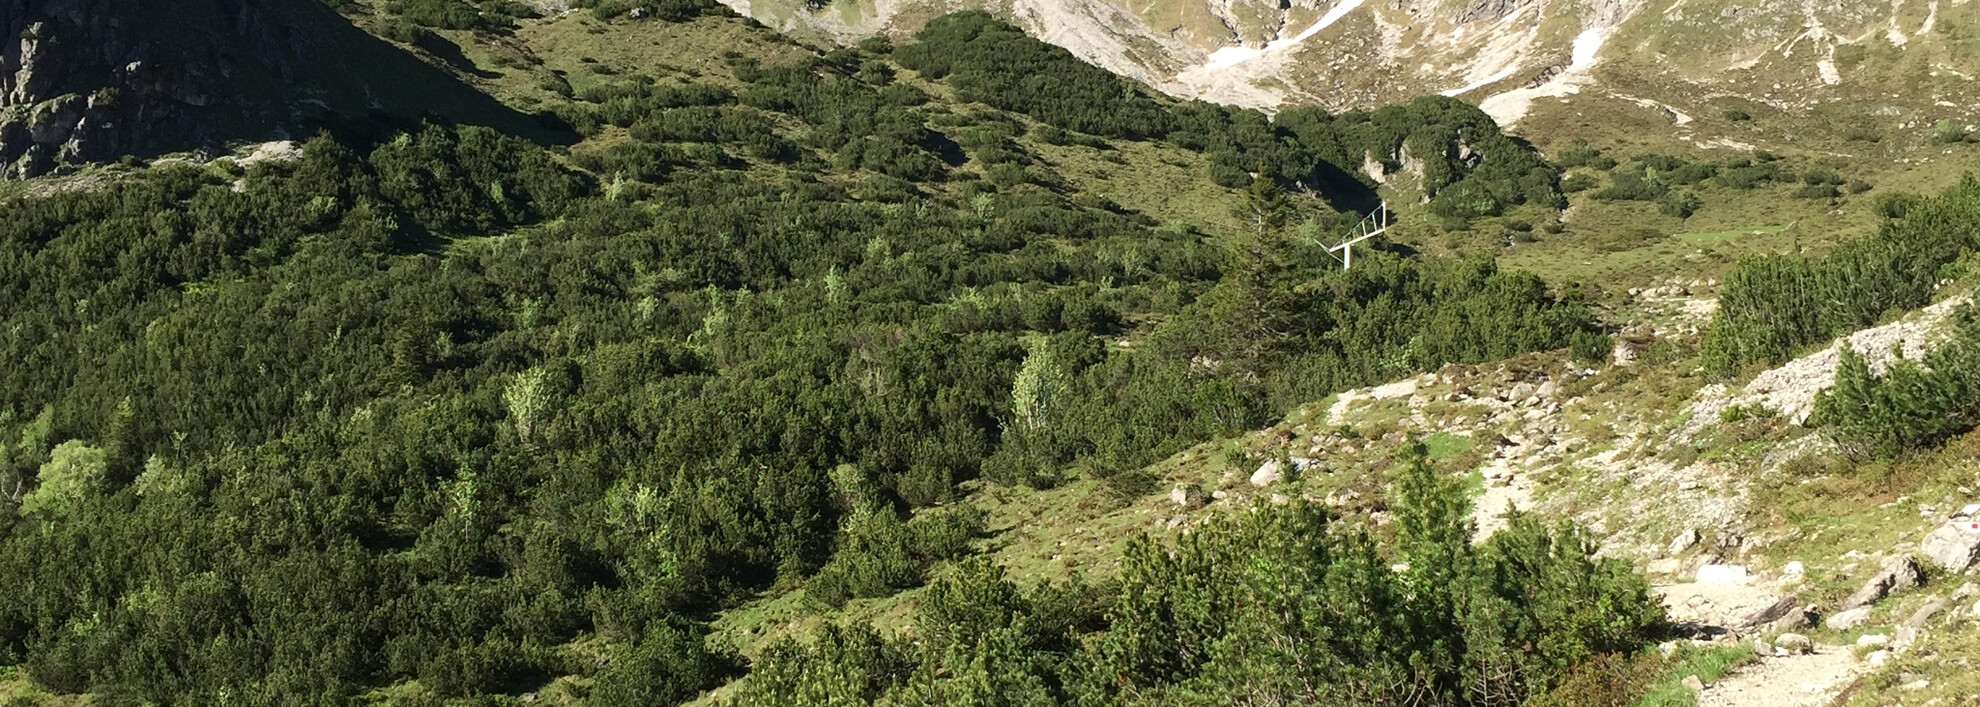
(1266, 475)
(1954, 546)
(1901, 572)
(1794, 643)
(1846, 620)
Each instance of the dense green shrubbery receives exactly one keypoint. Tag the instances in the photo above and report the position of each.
(668, 10)
(1909, 406)
(1772, 307)
(1469, 167)
(989, 61)
(1280, 605)
(258, 424)
(460, 14)
(433, 407)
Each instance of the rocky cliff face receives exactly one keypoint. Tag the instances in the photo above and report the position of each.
(91, 80)
(95, 80)
(1671, 58)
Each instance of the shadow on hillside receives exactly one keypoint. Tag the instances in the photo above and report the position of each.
(205, 75)
(1345, 191)
(362, 76)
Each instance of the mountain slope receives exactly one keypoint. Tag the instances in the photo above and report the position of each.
(94, 80)
(1865, 67)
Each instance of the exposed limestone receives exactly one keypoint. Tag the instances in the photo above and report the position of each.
(1900, 572)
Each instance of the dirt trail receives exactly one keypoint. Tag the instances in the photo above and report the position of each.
(1799, 680)
(1793, 681)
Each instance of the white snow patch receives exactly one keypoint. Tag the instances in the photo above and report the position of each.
(1584, 47)
(1827, 68)
(1496, 76)
(1895, 35)
(1507, 108)
(1232, 56)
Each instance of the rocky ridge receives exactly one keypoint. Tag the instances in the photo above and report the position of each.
(1670, 60)
(85, 81)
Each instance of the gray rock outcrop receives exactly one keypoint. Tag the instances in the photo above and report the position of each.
(86, 81)
(1954, 546)
(1900, 572)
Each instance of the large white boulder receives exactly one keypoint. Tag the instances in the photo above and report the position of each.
(1954, 546)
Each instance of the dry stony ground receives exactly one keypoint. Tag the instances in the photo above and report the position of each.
(1594, 444)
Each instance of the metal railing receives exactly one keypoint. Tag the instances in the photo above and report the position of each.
(1371, 226)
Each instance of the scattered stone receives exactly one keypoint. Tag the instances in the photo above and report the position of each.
(1846, 620)
(1665, 566)
(1280, 499)
(1900, 572)
(1794, 571)
(1903, 638)
(1764, 649)
(1769, 613)
(1795, 620)
(1872, 639)
(1667, 648)
(1954, 546)
(1794, 643)
(1925, 613)
(1187, 497)
(1266, 475)
(1684, 541)
(1916, 685)
(1694, 684)
(1721, 574)
(1877, 657)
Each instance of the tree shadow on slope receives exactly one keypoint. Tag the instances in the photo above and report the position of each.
(163, 77)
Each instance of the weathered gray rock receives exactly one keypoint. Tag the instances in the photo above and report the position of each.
(1795, 619)
(1722, 574)
(1476, 10)
(1793, 571)
(1267, 474)
(94, 80)
(1925, 613)
(1684, 541)
(1794, 643)
(1694, 684)
(1846, 620)
(1767, 614)
(1900, 572)
(1954, 546)
(1187, 497)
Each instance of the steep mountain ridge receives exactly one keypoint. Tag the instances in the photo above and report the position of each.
(1669, 56)
(94, 80)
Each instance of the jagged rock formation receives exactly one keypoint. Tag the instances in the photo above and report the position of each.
(1671, 56)
(95, 80)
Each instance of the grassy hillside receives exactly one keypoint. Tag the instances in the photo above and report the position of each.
(895, 373)
(437, 414)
